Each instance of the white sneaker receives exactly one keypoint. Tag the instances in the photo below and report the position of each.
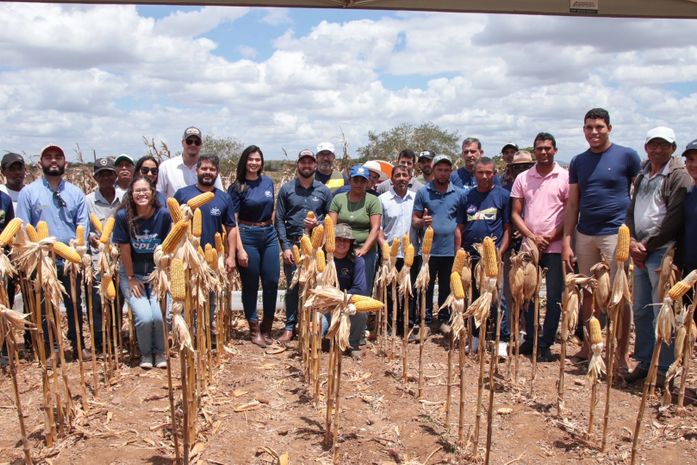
(475, 346)
(160, 361)
(146, 362)
(503, 350)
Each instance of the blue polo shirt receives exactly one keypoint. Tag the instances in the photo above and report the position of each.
(443, 209)
(351, 275)
(690, 230)
(465, 180)
(294, 201)
(7, 211)
(62, 209)
(214, 214)
(603, 185)
(484, 214)
(149, 233)
(255, 204)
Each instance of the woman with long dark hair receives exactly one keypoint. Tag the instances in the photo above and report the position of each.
(149, 166)
(257, 243)
(142, 223)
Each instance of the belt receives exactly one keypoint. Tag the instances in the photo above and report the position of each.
(252, 223)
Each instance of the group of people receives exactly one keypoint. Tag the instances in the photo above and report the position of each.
(572, 216)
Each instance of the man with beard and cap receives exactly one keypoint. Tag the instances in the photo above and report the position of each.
(295, 199)
(125, 167)
(425, 165)
(14, 170)
(63, 207)
(326, 174)
(181, 171)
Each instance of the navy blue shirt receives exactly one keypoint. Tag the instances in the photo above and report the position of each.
(603, 187)
(7, 211)
(214, 214)
(465, 180)
(690, 230)
(351, 274)
(255, 204)
(149, 233)
(484, 214)
(443, 209)
(294, 201)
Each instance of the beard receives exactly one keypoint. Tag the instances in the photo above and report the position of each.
(53, 171)
(206, 181)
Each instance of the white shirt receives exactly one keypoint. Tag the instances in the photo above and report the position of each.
(14, 195)
(396, 217)
(174, 174)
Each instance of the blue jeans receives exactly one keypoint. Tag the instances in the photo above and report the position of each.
(358, 324)
(555, 284)
(371, 260)
(439, 267)
(147, 316)
(646, 294)
(261, 245)
(493, 313)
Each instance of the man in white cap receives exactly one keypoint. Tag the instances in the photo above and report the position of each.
(326, 174)
(124, 173)
(655, 220)
(180, 171)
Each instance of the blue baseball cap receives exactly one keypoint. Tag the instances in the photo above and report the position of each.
(690, 147)
(359, 170)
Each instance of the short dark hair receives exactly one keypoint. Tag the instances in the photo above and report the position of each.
(484, 161)
(407, 153)
(542, 136)
(598, 113)
(213, 159)
(472, 140)
(400, 168)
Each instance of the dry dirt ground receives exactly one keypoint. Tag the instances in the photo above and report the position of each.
(381, 420)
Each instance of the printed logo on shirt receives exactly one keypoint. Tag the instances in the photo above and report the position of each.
(344, 272)
(488, 214)
(215, 211)
(145, 243)
(268, 194)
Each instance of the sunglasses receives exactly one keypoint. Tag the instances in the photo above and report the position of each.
(59, 200)
(193, 141)
(146, 170)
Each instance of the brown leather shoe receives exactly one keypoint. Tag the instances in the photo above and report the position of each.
(286, 337)
(266, 326)
(255, 334)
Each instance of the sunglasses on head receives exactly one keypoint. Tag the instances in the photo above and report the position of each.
(193, 141)
(146, 170)
(59, 200)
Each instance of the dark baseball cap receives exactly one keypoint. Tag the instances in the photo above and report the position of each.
(10, 159)
(689, 147)
(192, 132)
(306, 153)
(426, 154)
(104, 164)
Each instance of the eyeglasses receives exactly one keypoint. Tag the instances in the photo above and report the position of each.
(193, 141)
(655, 144)
(146, 170)
(144, 190)
(59, 200)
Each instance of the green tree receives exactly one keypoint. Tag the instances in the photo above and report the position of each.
(427, 136)
(228, 149)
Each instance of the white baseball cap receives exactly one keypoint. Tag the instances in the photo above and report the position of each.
(661, 132)
(328, 146)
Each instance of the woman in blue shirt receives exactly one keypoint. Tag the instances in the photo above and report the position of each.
(257, 243)
(149, 167)
(141, 225)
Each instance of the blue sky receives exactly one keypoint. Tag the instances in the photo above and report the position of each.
(105, 76)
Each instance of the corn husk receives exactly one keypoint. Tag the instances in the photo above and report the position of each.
(620, 292)
(480, 308)
(571, 300)
(667, 273)
(516, 278)
(601, 293)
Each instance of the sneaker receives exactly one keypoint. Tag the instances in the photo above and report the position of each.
(160, 361)
(638, 374)
(503, 350)
(544, 355)
(525, 348)
(475, 346)
(146, 362)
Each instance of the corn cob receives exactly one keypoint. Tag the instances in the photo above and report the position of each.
(680, 341)
(197, 228)
(622, 248)
(317, 233)
(329, 234)
(595, 333)
(409, 255)
(80, 235)
(219, 244)
(306, 245)
(177, 278)
(428, 241)
(678, 290)
(459, 262)
(321, 262)
(110, 290)
(211, 256)
(10, 231)
(96, 223)
(310, 215)
(394, 250)
(42, 229)
(489, 258)
(201, 253)
(385, 251)
(200, 200)
(174, 211)
(31, 233)
(107, 230)
(67, 252)
(365, 304)
(456, 288)
(178, 232)
(405, 242)
(296, 254)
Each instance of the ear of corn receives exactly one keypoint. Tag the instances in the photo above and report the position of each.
(405, 242)
(10, 231)
(385, 251)
(317, 236)
(219, 243)
(595, 332)
(489, 258)
(197, 228)
(306, 245)
(174, 210)
(679, 341)
(42, 229)
(329, 234)
(175, 236)
(321, 262)
(31, 233)
(96, 223)
(177, 279)
(459, 262)
(365, 304)
(394, 250)
(428, 241)
(80, 235)
(200, 200)
(409, 255)
(310, 215)
(622, 248)
(111, 290)
(67, 252)
(107, 230)
(678, 290)
(296, 254)
(456, 285)
(201, 253)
